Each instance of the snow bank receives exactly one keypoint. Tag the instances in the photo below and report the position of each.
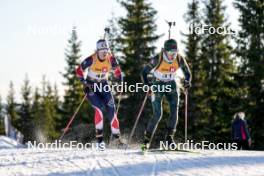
(6, 142)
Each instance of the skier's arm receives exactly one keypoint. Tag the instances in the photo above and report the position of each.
(245, 126)
(80, 69)
(147, 68)
(185, 68)
(116, 68)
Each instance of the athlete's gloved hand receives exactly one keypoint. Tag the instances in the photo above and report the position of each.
(87, 86)
(149, 81)
(186, 84)
(120, 80)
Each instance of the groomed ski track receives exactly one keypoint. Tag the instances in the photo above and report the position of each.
(114, 162)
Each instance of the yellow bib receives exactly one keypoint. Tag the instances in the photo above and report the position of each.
(166, 71)
(99, 69)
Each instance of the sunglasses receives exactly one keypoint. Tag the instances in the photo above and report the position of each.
(172, 52)
(103, 50)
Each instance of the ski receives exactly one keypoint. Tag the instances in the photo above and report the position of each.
(176, 150)
(162, 150)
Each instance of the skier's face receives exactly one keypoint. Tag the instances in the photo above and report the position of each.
(172, 54)
(102, 53)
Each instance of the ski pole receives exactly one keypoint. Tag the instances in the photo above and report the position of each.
(118, 104)
(74, 115)
(152, 135)
(107, 31)
(186, 115)
(170, 24)
(136, 122)
(120, 95)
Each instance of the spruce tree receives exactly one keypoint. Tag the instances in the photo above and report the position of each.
(57, 105)
(137, 36)
(73, 87)
(197, 105)
(11, 108)
(137, 46)
(114, 36)
(49, 113)
(36, 113)
(44, 113)
(25, 116)
(220, 88)
(250, 50)
(2, 128)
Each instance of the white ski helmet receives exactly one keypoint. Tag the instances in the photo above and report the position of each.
(102, 45)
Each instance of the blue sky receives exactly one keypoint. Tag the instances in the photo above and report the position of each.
(34, 34)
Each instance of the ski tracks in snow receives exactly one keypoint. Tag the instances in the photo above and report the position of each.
(154, 169)
(118, 163)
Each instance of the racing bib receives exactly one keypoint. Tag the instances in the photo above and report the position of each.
(166, 71)
(99, 69)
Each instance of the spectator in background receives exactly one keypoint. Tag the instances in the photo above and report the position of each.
(240, 132)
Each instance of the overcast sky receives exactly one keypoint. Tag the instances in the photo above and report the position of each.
(34, 34)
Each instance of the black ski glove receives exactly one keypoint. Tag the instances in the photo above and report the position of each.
(150, 78)
(87, 86)
(186, 84)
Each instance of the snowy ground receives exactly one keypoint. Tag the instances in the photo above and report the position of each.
(6, 142)
(118, 162)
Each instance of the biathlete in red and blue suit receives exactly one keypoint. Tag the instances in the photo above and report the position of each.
(98, 66)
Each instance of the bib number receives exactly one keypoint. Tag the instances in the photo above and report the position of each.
(167, 76)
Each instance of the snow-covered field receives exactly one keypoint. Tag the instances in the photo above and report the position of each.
(20, 161)
(6, 142)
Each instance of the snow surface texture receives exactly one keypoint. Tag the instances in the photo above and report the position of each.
(114, 162)
(6, 142)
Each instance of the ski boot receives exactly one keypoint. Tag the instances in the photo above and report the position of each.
(169, 141)
(100, 145)
(118, 142)
(145, 145)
